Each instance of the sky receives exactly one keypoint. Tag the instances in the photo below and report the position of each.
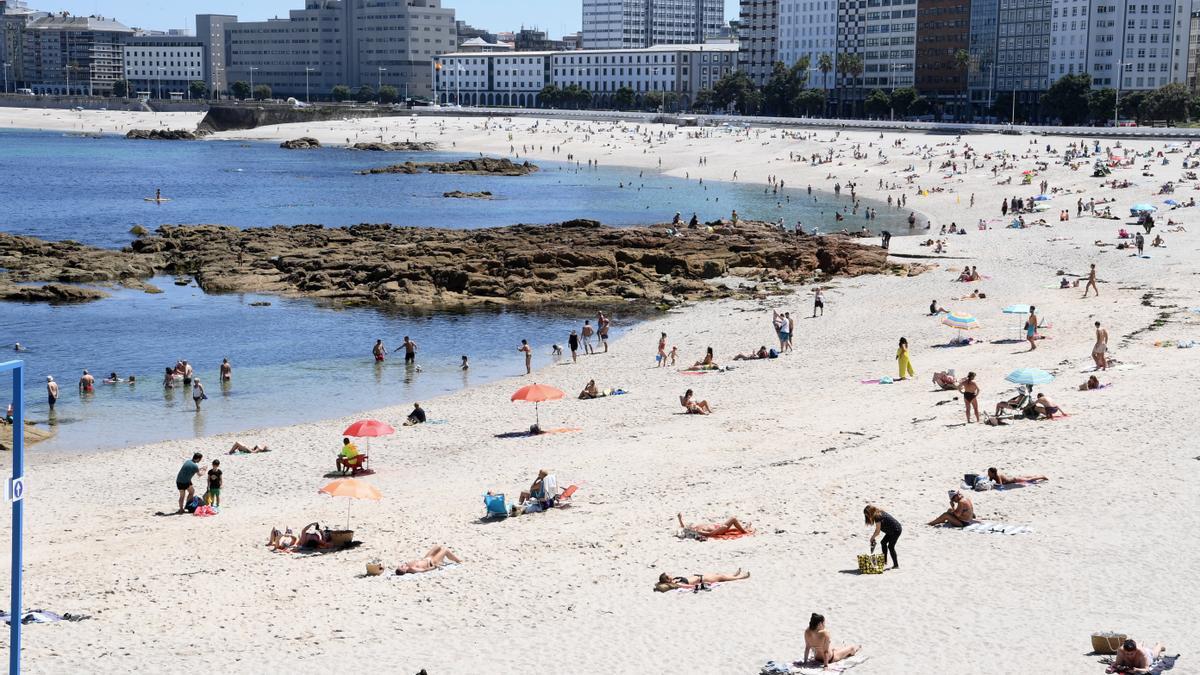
(554, 16)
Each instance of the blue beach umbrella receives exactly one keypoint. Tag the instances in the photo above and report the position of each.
(1171, 202)
(1142, 208)
(1042, 198)
(1029, 376)
(1016, 309)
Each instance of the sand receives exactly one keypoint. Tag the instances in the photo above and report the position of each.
(796, 445)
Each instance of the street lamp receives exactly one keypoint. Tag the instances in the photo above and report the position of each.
(160, 72)
(1117, 101)
(6, 66)
(379, 84)
(252, 69)
(307, 70)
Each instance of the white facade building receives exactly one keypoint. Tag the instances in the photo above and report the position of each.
(517, 79)
(808, 28)
(634, 24)
(168, 64)
(1099, 37)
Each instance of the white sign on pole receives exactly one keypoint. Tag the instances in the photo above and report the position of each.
(14, 490)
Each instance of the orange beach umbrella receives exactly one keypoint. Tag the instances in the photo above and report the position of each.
(537, 393)
(351, 488)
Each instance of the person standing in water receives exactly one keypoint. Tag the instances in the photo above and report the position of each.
(51, 391)
(379, 351)
(198, 393)
(528, 352)
(226, 370)
(410, 350)
(602, 323)
(586, 333)
(87, 383)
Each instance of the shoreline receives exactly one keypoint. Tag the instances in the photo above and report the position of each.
(797, 445)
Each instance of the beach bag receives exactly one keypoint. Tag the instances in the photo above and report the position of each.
(193, 504)
(495, 505)
(871, 563)
(1107, 643)
(772, 354)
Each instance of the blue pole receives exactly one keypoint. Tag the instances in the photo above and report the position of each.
(18, 450)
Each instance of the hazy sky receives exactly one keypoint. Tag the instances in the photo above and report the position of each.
(555, 16)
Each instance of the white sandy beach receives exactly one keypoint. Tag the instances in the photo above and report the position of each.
(796, 445)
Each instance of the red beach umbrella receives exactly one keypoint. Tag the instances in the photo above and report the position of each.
(537, 393)
(363, 428)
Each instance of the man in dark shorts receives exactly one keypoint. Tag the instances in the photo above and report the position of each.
(51, 391)
(410, 350)
(183, 481)
(417, 416)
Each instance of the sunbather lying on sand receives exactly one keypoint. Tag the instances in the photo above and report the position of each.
(946, 380)
(666, 582)
(820, 645)
(281, 540)
(1134, 658)
(432, 560)
(238, 447)
(760, 353)
(960, 514)
(1003, 479)
(694, 407)
(713, 529)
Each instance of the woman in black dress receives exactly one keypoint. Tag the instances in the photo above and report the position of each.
(883, 522)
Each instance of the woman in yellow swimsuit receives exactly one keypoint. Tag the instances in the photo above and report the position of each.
(906, 369)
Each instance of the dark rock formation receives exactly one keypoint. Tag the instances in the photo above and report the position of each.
(483, 166)
(403, 146)
(52, 293)
(302, 143)
(579, 262)
(161, 135)
(459, 194)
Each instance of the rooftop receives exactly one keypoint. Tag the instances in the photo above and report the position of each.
(68, 22)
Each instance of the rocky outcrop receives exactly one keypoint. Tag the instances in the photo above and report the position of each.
(579, 262)
(51, 293)
(161, 135)
(483, 166)
(403, 146)
(33, 434)
(459, 194)
(302, 143)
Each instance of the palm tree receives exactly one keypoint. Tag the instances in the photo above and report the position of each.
(854, 67)
(962, 59)
(825, 65)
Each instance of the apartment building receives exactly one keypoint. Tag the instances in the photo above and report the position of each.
(163, 65)
(808, 28)
(517, 79)
(636, 24)
(759, 38)
(943, 32)
(210, 30)
(66, 54)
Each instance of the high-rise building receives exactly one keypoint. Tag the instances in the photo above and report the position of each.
(942, 54)
(163, 65)
(883, 38)
(1023, 49)
(14, 16)
(210, 30)
(65, 54)
(350, 42)
(1102, 37)
(635, 24)
(808, 28)
(1193, 52)
(758, 38)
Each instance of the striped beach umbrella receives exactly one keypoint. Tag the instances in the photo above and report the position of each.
(960, 321)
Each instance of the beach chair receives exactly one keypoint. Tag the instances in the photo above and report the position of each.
(564, 498)
(495, 506)
(358, 464)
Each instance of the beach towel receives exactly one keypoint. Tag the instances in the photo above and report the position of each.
(692, 534)
(446, 566)
(309, 552)
(811, 667)
(990, 527)
(42, 616)
(698, 588)
(1160, 665)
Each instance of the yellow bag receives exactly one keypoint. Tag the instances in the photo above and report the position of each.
(871, 563)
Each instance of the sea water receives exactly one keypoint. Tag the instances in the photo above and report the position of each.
(296, 360)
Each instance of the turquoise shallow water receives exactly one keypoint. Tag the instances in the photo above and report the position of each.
(294, 360)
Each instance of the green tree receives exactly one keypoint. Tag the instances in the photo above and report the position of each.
(623, 100)
(1131, 105)
(654, 100)
(388, 94)
(1002, 105)
(241, 90)
(851, 66)
(736, 89)
(1102, 104)
(576, 96)
(365, 94)
(919, 106)
(550, 96)
(1066, 99)
(902, 100)
(878, 103)
(1169, 103)
(197, 89)
(262, 92)
(1194, 106)
(809, 102)
(121, 88)
(779, 90)
(825, 65)
(705, 98)
(340, 93)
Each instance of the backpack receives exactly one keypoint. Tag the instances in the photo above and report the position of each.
(193, 504)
